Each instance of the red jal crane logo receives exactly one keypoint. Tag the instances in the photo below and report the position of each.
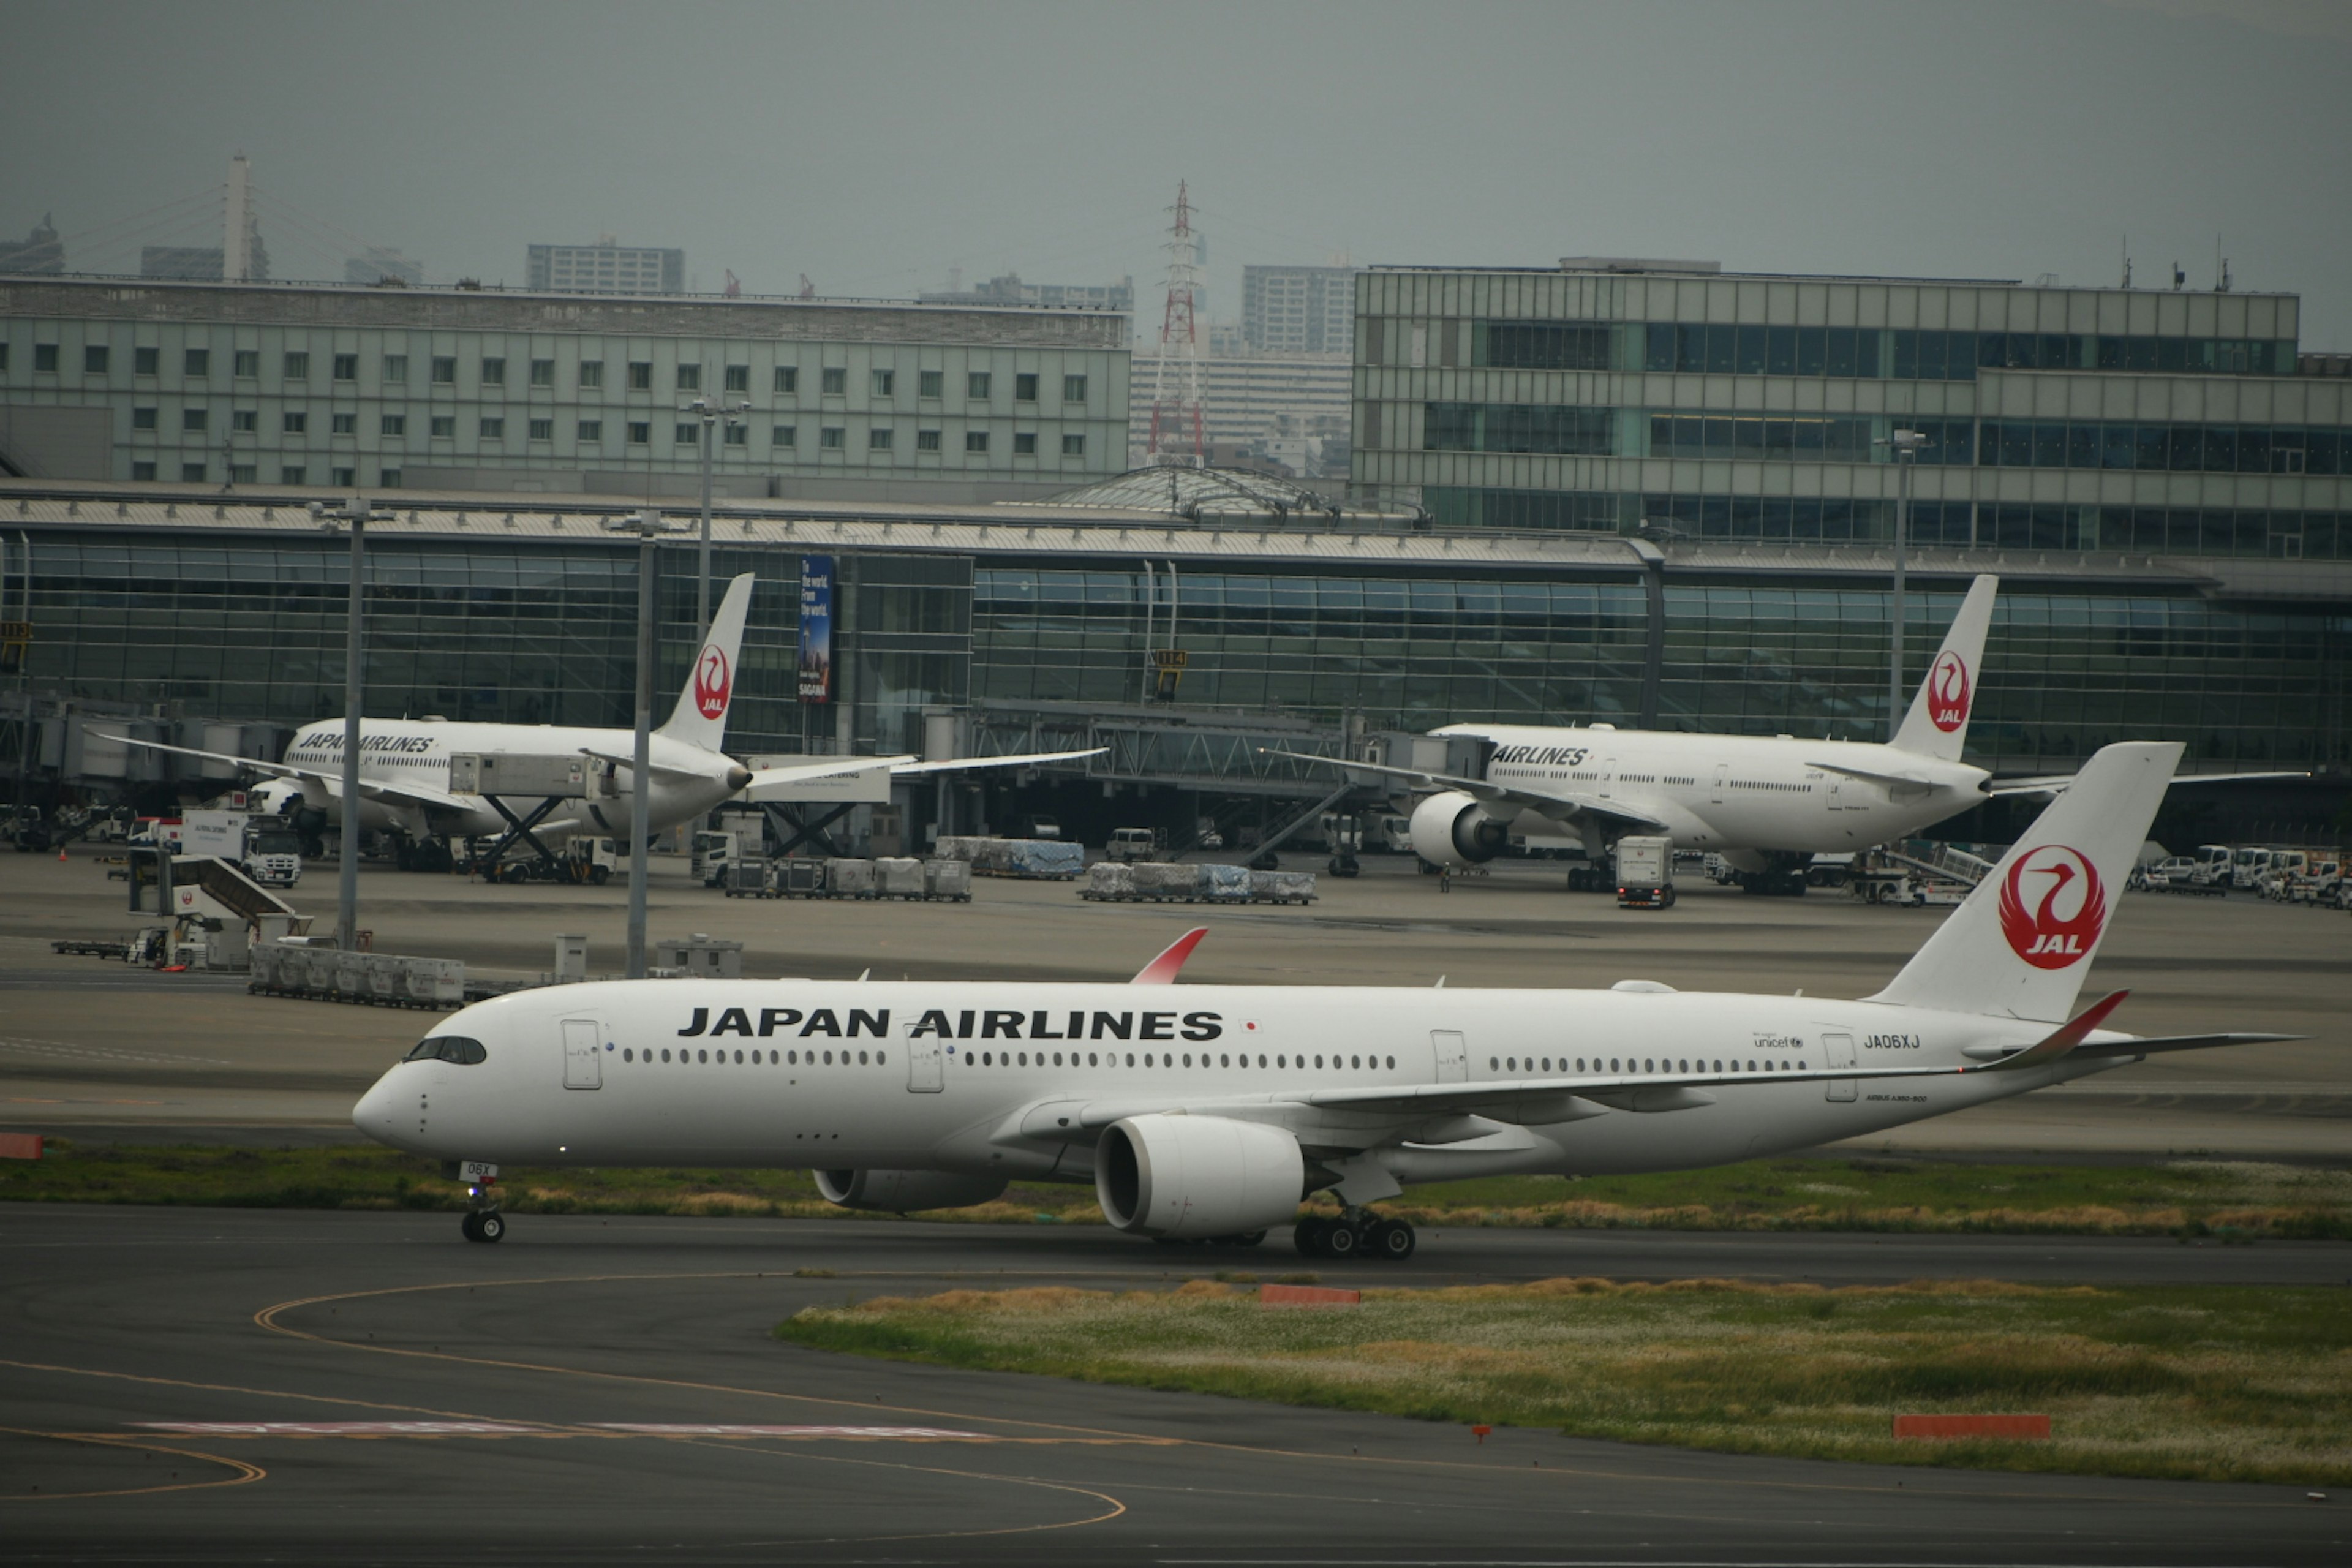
(1948, 693)
(712, 682)
(2052, 907)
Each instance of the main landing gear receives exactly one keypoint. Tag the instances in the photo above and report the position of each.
(1357, 1233)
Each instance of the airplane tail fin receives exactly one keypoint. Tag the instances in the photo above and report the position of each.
(700, 717)
(1937, 724)
(2021, 943)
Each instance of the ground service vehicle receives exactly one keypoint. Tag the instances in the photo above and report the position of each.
(266, 848)
(1645, 872)
(1132, 844)
(1207, 1112)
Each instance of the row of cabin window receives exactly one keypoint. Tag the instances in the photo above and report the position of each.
(1166, 1059)
(771, 1058)
(295, 365)
(444, 427)
(1647, 1064)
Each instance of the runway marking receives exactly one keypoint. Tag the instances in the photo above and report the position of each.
(268, 1319)
(676, 1429)
(18, 1045)
(245, 1472)
(342, 1428)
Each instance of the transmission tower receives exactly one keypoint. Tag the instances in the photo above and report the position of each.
(1179, 437)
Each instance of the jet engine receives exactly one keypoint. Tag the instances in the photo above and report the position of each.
(1453, 829)
(901, 1192)
(1197, 1176)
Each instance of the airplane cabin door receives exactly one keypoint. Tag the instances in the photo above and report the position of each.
(1722, 777)
(1453, 1055)
(1838, 1051)
(925, 1063)
(582, 1069)
(1608, 776)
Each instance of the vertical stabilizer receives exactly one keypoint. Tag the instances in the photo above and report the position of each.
(700, 717)
(2022, 941)
(1937, 724)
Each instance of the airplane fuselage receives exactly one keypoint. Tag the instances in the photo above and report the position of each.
(1018, 1079)
(414, 754)
(1734, 793)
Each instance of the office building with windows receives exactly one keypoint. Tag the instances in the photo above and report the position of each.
(1299, 310)
(1611, 394)
(407, 388)
(1008, 288)
(608, 267)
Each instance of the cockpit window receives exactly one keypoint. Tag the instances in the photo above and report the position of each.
(448, 1048)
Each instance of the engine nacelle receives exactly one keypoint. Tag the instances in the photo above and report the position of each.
(902, 1192)
(1453, 829)
(1194, 1176)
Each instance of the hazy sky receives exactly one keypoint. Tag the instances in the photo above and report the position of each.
(873, 146)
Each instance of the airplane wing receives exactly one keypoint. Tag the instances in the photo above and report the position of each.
(766, 781)
(329, 785)
(805, 773)
(2051, 785)
(1892, 781)
(951, 764)
(663, 769)
(1559, 805)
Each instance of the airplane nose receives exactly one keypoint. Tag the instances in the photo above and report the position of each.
(738, 776)
(373, 1114)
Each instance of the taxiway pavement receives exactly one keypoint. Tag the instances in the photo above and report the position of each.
(213, 1386)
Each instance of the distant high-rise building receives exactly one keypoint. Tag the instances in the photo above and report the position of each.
(1299, 310)
(608, 267)
(379, 262)
(42, 251)
(1009, 289)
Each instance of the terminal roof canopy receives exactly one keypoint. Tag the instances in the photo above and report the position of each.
(1224, 496)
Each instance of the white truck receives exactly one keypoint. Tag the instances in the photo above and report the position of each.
(1646, 873)
(268, 849)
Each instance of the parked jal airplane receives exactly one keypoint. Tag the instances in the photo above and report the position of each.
(1768, 805)
(404, 784)
(1209, 1112)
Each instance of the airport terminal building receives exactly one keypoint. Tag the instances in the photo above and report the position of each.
(1542, 528)
(406, 388)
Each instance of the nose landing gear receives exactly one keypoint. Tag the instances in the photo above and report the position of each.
(483, 1222)
(1357, 1233)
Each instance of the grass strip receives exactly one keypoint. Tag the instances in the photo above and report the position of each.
(2194, 1382)
(2231, 1200)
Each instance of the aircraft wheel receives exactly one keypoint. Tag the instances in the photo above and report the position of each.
(1340, 1239)
(1393, 1240)
(490, 1226)
(1308, 1237)
(471, 1225)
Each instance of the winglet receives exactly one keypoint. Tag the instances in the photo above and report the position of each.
(2061, 1040)
(1162, 971)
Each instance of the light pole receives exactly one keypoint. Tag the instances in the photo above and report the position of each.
(1905, 446)
(354, 514)
(710, 413)
(648, 527)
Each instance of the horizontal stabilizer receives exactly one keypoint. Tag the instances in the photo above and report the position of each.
(2061, 1040)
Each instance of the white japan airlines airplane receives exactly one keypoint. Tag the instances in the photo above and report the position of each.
(1209, 1112)
(404, 782)
(1766, 804)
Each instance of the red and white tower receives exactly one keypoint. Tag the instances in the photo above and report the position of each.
(1179, 434)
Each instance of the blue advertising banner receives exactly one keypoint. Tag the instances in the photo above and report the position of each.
(816, 628)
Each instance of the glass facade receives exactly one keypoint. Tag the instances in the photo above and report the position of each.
(249, 628)
(1758, 407)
